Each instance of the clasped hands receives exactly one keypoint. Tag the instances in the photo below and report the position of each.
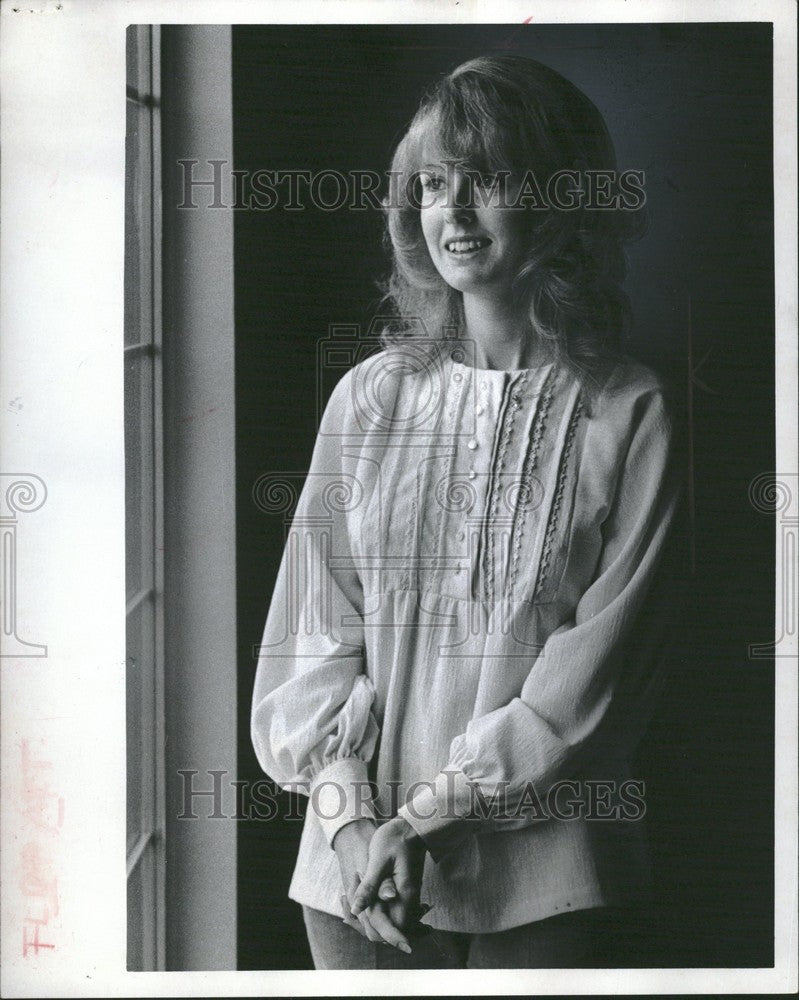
(381, 870)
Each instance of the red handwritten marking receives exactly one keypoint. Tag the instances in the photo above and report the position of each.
(38, 880)
(43, 809)
(33, 943)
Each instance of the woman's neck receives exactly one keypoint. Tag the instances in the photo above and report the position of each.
(501, 335)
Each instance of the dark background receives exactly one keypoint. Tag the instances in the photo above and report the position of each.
(691, 106)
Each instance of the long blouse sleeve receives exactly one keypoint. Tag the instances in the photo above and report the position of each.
(312, 724)
(538, 737)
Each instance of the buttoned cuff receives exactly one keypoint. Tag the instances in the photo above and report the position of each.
(340, 794)
(438, 811)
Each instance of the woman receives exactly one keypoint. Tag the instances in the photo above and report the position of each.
(443, 667)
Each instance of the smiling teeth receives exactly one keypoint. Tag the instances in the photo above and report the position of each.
(463, 246)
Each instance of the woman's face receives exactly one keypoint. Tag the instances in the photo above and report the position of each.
(474, 238)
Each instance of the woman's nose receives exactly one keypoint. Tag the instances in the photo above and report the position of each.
(461, 197)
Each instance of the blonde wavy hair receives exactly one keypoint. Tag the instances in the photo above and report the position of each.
(509, 113)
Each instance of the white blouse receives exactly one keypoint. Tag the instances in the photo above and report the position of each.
(464, 561)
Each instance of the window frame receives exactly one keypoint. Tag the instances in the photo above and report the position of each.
(145, 853)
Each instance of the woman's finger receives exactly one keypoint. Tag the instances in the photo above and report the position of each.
(369, 929)
(352, 888)
(376, 868)
(348, 918)
(405, 910)
(355, 924)
(406, 884)
(362, 922)
(387, 889)
(390, 934)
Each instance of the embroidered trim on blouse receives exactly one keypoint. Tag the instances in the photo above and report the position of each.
(489, 558)
(447, 463)
(556, 503)
(529, 466)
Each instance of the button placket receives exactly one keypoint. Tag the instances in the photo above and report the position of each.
(465, 559)
(480, 408)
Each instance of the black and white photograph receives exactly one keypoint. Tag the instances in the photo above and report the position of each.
(489, 362)
(457, 505)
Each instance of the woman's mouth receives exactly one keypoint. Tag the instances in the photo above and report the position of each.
(466, 247)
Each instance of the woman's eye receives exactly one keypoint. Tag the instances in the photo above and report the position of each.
(432, 182)
(487, 180)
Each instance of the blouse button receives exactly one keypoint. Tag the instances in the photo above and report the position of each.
(471, 444)
(461, 536)
(479, 409)
(472, 473)
(457, 377)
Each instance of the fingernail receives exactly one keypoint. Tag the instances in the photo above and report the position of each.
(404, 947)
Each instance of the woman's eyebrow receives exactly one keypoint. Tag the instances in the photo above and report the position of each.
(442, 164)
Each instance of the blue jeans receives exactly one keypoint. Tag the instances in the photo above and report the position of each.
(567, 941)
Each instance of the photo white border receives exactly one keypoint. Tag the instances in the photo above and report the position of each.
(61, 405)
